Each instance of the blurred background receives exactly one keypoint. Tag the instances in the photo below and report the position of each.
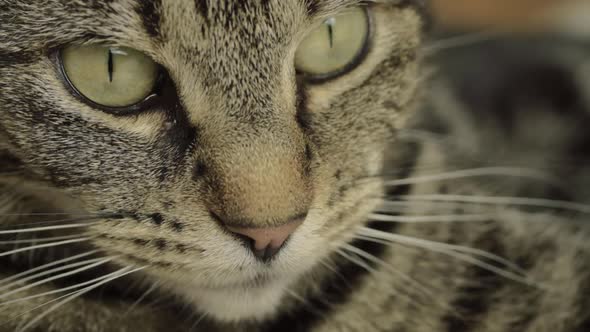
(510, 83)
(514, 15)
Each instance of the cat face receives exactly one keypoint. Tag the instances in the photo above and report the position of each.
(236, 147)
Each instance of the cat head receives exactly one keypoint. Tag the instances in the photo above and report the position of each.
(228, 146)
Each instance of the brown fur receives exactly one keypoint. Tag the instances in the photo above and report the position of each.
(239, 136)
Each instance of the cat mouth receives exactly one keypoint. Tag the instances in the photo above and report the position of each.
(260, 280)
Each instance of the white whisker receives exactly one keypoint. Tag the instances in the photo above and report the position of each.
(40, 246)
(452, 42)
(74, 295)
(52, 214)
(42, 267)
(153, 287)
(469, 259)
(61, 290)
(41, 240)
(336, 272)
(445, 246)
(501, 200)
(390, 268)
(430, 218)
(49, 222)
(49, 272)
(355, 259)
(306, 303)
(477, 172)
(90, 264)
(48, 228)
(459, 252)
(198, 321)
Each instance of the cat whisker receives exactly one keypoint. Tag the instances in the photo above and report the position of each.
(500, 200)
(406, 207)
(477, 172)
(430, 219)
(459, 41)
(79, 218)
(198, 321)
(36, 224)
(390, 268)
(41, 246)
(466, 173)
(57, 291)
(52, 214)
(88, 264)
(355, 259)
(422, 135)
(468, 250)
(335, 271)
(152, 288)
(459, 252)
(42, 240)
(442, 140)
(307, 304)
(47, 228)
(464, 258)
(45, 266)
(74, 295)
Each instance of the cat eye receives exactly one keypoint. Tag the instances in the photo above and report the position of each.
(337, 46)
(115, 79)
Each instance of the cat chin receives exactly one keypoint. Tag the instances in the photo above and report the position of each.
(231, 305)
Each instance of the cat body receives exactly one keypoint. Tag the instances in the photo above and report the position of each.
(148, 211)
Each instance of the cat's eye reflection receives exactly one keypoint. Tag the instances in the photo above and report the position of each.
(335, 47)
(116, 77)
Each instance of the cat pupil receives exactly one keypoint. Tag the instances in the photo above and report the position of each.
(110, 65)
(330, 24)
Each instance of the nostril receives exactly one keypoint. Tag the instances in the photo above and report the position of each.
(266, 254)
(266, 242)
(273, 237)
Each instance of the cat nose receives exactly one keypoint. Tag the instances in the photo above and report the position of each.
(267, 242)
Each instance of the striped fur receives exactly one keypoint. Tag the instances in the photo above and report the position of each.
(236, 133)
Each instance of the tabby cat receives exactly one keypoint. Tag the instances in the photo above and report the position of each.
(174, 165)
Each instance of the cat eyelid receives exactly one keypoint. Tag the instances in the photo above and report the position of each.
(147, 103)
(319, 79)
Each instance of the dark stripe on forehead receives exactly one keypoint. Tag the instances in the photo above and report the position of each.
(8, 58)
(150, 12)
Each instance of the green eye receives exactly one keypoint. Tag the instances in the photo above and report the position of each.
(113, 77)
(335, 47)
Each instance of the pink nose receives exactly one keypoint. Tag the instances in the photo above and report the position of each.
(267, 241)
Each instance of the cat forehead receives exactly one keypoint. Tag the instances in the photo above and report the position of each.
(274, 21)
(47, 24)
(231, 14)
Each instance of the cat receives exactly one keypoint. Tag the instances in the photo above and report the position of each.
(275, 166)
